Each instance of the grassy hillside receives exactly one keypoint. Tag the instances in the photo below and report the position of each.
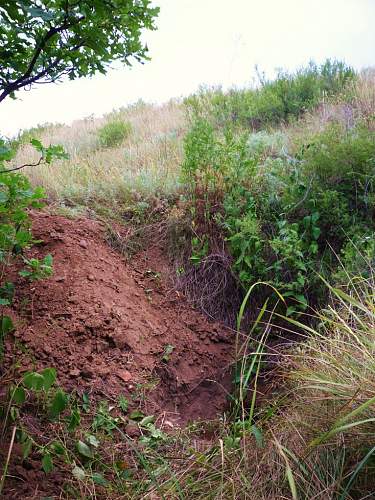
(110, 165)
(266, 198)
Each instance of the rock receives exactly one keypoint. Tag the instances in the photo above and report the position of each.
(124, 375)
(83, 243)
(91, 277)
(74, 373)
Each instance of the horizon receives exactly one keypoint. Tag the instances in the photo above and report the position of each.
(225, 48)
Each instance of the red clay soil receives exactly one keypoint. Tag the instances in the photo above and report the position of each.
(106, 325)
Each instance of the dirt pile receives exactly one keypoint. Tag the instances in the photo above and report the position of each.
(110, 327)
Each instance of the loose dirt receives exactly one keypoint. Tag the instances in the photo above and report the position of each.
(112, 327)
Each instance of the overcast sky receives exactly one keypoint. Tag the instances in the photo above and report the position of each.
(209, 42)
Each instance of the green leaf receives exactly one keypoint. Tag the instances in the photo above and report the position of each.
(84, 449)
(47, 463)
(6, 325)
(59, 403)
(147, 420)
(57, 447)
(86, 402)
(26, 448)
(99, 479)
(316, 232)
(37, 145)
(74, 419)
(49, 376)
(33, 380)
(258, 436)
(48, 260)
(136, 415)
(123, 403)
(92, 440)
(19, 395)
(290, 310)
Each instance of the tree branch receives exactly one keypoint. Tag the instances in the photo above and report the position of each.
(41, 74)
(22, 166)
(25, 78)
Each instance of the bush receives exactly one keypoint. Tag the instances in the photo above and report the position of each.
(114, 133)
(288, 96)
(283, 219)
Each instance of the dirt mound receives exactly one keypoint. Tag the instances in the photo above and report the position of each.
(112, 328)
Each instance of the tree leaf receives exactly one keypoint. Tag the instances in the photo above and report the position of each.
(26, 448)
(99, 479)
(258, 436)
(147, 420)
(6, 325)
(92, 440)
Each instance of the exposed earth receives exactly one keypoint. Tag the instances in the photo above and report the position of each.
(111, 327)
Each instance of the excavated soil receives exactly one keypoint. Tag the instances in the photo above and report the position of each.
(112, 327)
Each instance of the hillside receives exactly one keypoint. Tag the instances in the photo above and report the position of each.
(210, 314)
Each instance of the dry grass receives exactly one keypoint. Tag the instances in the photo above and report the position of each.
(147, 162)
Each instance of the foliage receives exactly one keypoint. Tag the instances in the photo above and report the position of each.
(16, 197)
(43, 41)
(284, 218)
(286, 97)
(114, 133)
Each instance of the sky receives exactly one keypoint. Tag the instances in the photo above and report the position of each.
(212, 42)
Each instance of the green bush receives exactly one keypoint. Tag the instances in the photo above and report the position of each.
(286, 97)
(284, 220)
(114, 133)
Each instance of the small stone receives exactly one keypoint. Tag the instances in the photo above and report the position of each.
(47, 349)
(124, 375)
(74, 373)
(83, 243)
(60, 278)
(91, 277)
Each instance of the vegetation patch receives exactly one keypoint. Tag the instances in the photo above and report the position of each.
(114, 133)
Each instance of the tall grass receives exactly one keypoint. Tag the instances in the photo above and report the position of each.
(145, 163)
(313, 438)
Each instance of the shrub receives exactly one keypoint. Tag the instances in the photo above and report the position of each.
(274, 102)
(114, 133)
(282, 219)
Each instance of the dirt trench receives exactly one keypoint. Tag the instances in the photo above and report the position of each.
(112, 327)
